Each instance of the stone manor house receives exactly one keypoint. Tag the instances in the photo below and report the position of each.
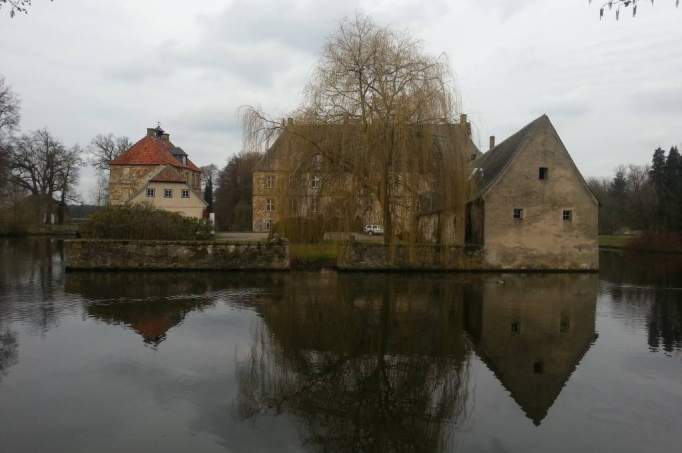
(530, 207)
(157, 172)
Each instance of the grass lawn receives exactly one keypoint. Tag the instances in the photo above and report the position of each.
(313, 255)
(614, 241)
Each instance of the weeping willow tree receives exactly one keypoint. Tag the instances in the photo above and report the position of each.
(376, 132)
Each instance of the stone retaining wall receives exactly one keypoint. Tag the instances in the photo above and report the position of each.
(361, 256)
(93, 254)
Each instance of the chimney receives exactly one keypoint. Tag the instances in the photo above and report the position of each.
(151, 132)
(492, 141)
(165, 137)
(464, 122)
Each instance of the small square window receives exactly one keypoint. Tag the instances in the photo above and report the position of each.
(568, 215)
(269, 182)
(269, 205)
(544, 173)
(185, 193)
(518, 214)
(150, 192)
(539, 367)
(168, 193)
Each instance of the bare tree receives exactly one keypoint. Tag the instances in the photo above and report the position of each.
(41, 165)
(620, 5)
(377, 128)
(16, 6)
(9, 121)
(105, 148)
(9, 111)
(102, 150)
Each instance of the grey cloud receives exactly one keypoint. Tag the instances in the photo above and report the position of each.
(659, 100)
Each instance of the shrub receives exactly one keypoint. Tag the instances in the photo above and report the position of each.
(143, 221)
(309, 230)
(658, 241)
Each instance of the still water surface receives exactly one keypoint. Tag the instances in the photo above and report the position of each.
(320, 361)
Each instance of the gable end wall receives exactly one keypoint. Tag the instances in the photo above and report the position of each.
(542, 240)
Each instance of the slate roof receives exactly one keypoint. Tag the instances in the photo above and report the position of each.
(493, 163)
(152, 151)
(168, 175)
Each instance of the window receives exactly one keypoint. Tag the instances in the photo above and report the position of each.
(269, 182)
(168, 193)
(317, 161)
(315, 182)
(268, 225)
(568, 215)
(315, 205)
(269, 205)
(539, 367)
(185, 193)
(518, 214)
(544, 173)
(515, 327)
(565, 323)
(150, 192)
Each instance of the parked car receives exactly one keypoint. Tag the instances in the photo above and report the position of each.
(373, 229)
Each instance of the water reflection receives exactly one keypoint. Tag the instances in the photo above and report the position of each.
(531, 331)
(8, 351)
(648, 288)
(365, 362)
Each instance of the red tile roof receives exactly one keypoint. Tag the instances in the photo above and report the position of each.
(168, 175)
(152, 151)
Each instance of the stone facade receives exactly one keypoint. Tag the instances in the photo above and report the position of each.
(177, 255)
(534, 209)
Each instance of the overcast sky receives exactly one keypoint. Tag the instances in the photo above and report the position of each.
(612, 89)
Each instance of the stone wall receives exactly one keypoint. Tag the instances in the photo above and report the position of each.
(363, 256)
(178, 255)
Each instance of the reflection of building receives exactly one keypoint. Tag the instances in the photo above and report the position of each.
(151, 319)
(532, 331)
(157, 172)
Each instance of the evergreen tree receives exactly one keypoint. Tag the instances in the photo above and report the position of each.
(208, 194)
(657, 177)
(673, 182)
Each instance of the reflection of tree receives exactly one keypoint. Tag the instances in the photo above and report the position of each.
(665, 322)
(647, 285)
(532, 331)
(30, 280)
(8, 351)
(366, 363)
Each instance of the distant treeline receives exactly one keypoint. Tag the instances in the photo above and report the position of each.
(642, 197)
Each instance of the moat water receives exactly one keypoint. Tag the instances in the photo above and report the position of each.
(321, 361)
